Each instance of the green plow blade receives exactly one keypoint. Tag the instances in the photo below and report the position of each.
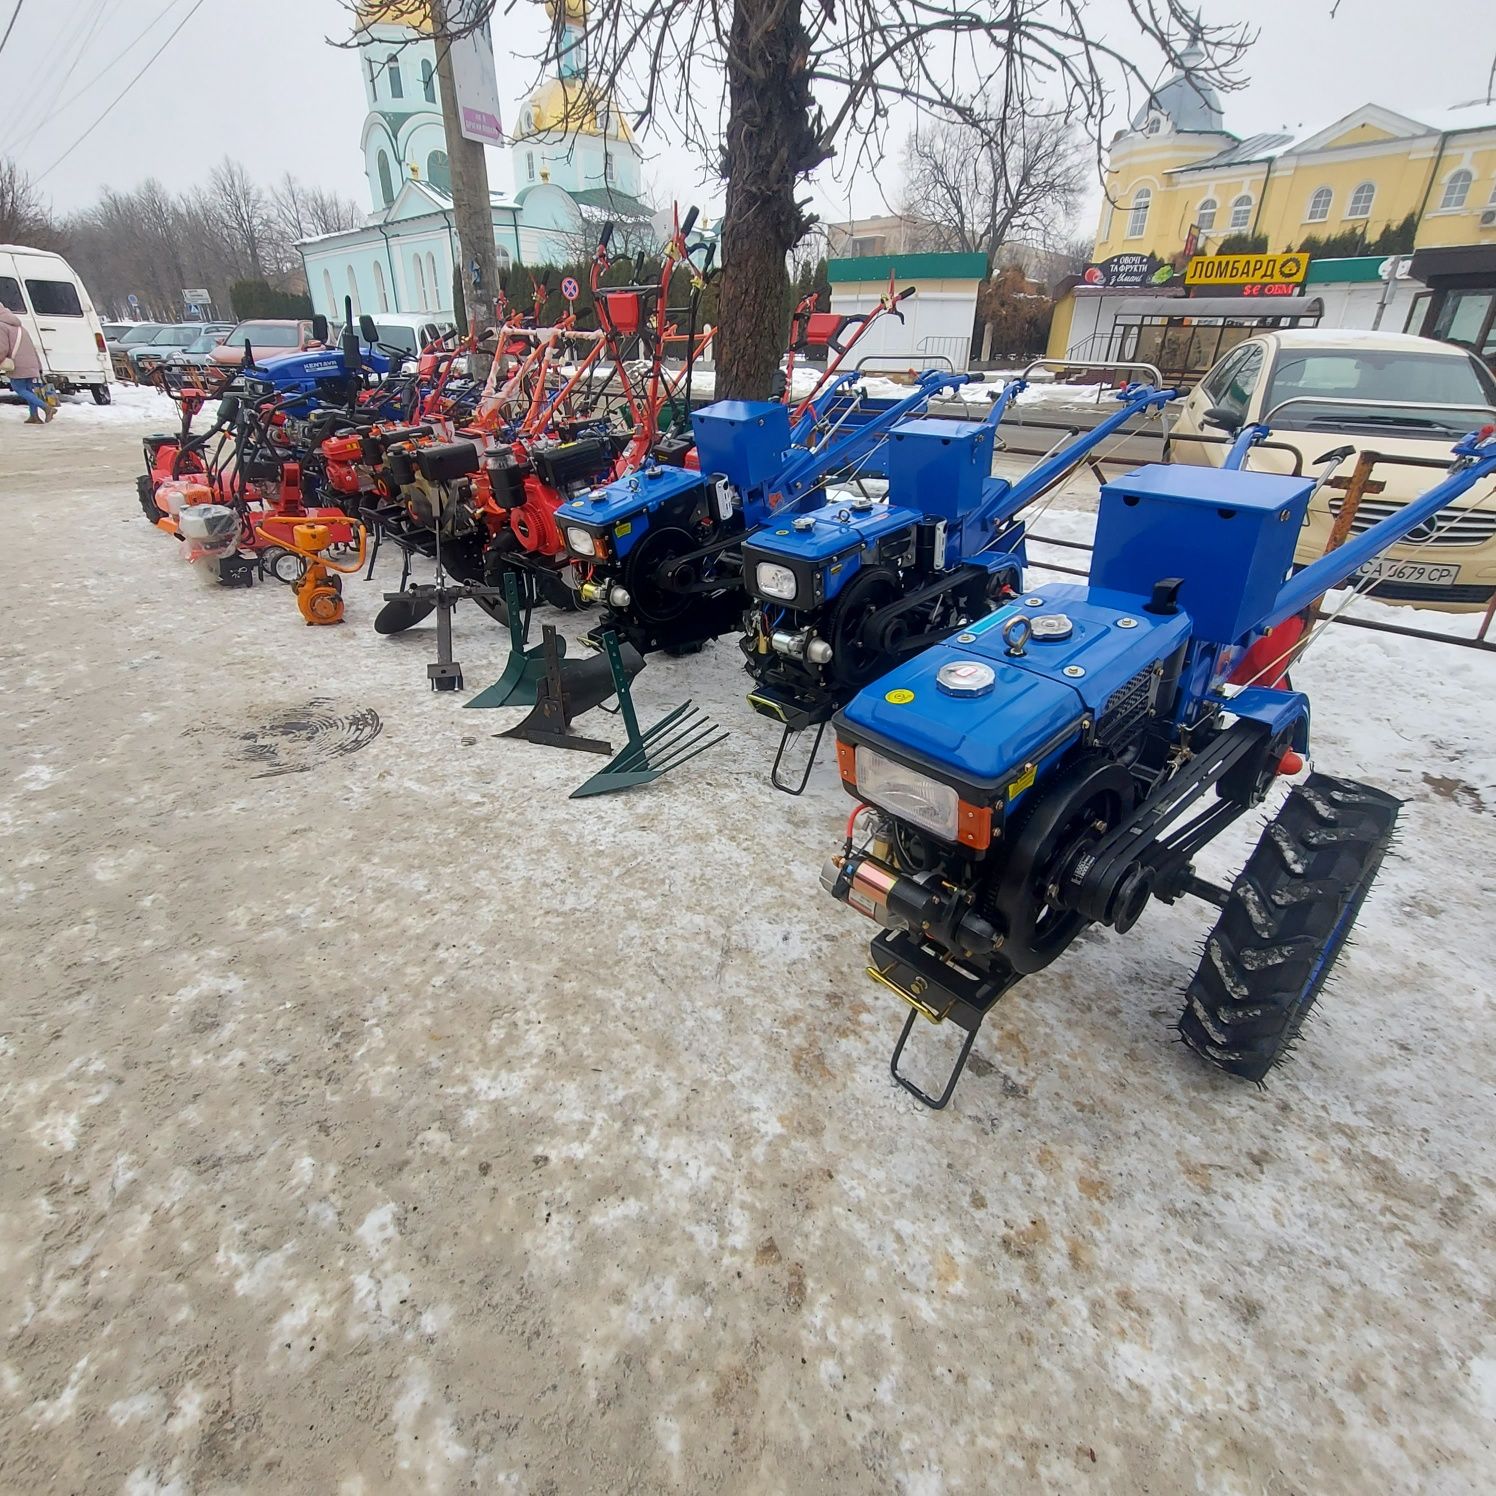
(525, 668)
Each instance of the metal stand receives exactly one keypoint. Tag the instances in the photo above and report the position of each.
(792, 732)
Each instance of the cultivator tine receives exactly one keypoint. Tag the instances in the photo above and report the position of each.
(525, 669)
(675, 739)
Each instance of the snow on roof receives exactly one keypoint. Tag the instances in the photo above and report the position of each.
(1253, 148)
(1475, 114)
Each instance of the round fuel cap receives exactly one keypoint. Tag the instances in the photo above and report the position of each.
(966, 678)
(1051, 626)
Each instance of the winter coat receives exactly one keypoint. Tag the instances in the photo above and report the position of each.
(14, 343)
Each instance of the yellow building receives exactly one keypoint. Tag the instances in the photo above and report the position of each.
(1392, 181)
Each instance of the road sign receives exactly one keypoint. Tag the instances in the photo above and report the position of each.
(1240, 270)
(570, 289)
(197, 293)
(134, 301)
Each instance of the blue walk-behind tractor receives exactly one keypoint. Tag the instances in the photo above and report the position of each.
(662, 548)
(1062, 762)
(843, 592)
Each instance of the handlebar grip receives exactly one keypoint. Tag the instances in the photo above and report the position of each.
(706, 263)
(905, 294)
(689, 222)
(606, 236)
(975, 377)
(639, 266)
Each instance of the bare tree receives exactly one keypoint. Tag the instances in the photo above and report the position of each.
(806, 80)
(25, 217)
(244, 211)
(981, 185)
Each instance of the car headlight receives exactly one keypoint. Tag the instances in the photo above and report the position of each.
(776, 581)
(583, 542)
(908, 794)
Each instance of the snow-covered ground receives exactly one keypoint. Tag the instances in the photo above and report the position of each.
(403, 1124)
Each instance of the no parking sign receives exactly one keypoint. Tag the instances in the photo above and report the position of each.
(570, 289)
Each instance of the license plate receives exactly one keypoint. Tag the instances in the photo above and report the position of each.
(1385, 569)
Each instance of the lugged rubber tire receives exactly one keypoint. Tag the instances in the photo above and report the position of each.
(1285, 923)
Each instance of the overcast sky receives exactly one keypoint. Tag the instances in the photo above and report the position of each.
(255, 79)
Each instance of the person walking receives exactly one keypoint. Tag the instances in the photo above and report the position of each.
(18, 359)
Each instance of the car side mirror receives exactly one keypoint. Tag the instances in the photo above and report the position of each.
(367, 329)
(1223, 418)
(319, 329)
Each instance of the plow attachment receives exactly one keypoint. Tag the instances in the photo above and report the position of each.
(677, 737)
(525, 670)
(566, 691)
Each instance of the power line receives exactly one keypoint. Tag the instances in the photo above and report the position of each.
(103, 114)
(12, 26)
(53, 106)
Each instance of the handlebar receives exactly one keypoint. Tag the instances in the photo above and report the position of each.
(689, 222)
(605, 238)
(905, 294)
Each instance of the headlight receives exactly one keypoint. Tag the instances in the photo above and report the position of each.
(580, 540)
(776, 581)
(908, 794)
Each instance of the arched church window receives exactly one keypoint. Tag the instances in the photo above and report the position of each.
(420, 280)
(380, 293)
(353, 291)
(436, 295)
(332, 300)
(386, 182)
(530, 165)
(397, 88)
(439, 171)
(428, 81)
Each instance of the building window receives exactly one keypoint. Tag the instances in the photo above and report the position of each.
(397, 88)
(386, 183)
(1241, 212)
(1319, 205)
(502, 255)
(373, 83)
(1361, 201)
(332, 300)
(439, 172)
(1205, 215)
(381, 294)
(530, 165)
(607, 168)
(436, 295)
(1137, 219)
(1456, 190)
(353, 291)
(419, 276)
(428, 82)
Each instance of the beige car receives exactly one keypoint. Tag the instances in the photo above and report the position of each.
(1384, 393)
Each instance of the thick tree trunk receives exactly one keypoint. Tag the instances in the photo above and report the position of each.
(471, 208)
(770, 145)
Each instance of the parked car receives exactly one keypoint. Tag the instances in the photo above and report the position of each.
(114, 331)
(120, 348)
(1388, 393)
(43, 290)
(163, 345)
(272, 335)
(200, 352)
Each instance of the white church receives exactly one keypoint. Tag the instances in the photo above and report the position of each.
(570, 174)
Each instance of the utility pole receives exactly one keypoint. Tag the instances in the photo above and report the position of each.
(470, 201)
